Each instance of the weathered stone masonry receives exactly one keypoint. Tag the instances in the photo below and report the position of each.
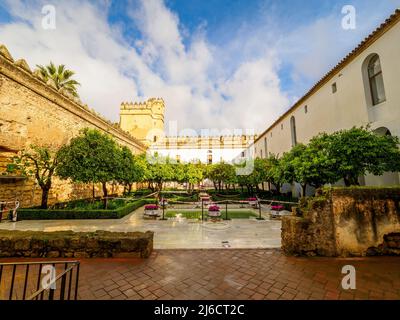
(33, 112)
(346, 222)
(68, 244)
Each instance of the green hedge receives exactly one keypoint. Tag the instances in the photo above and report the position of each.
(59, 214)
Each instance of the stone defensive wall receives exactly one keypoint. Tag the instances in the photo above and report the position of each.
(35, 112)
(345, 222)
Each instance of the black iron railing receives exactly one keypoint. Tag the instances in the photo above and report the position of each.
(46, 280)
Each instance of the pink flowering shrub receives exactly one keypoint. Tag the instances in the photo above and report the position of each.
(277, 208)
(213, 208)
(151, 207)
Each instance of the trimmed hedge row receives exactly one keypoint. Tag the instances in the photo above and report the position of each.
(59, 214)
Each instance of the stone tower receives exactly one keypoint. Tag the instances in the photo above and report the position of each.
(144, 120)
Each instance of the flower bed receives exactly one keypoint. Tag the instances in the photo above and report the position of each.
(214, 211)
(151, 207)
(151, 210)
(213, 208)
(253, 201)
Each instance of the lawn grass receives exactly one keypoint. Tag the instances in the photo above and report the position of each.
(194, 214)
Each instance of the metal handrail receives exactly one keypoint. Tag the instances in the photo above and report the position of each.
(69, 267)
(62, 275)
(4, 208)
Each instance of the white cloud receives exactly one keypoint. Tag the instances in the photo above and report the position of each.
(84, 42)
(161, 65)
(204, 85)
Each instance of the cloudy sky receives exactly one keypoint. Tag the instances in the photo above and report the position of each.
(217, 63)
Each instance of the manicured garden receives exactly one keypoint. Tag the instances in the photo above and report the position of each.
(95, 159)
(116, 209)
(195, 214)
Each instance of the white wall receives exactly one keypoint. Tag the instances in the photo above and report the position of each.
(187, 155)
(349, 106)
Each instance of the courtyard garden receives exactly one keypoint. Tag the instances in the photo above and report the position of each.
(128, 182)
(196, 214)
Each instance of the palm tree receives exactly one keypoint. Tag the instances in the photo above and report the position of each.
(60, 76)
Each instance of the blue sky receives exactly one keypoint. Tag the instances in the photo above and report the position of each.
(209, 60)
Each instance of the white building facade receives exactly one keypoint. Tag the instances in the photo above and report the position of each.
(207, 149)
(364, 88)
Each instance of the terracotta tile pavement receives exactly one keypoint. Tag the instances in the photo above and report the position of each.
(237, 274)
(231, 274)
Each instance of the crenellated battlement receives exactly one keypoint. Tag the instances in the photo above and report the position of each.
(146, 105)
(140, 118)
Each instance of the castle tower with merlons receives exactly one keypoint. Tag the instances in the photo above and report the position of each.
(144, 120)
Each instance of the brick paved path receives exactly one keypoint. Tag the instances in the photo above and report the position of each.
(237, 274)
(233, 274)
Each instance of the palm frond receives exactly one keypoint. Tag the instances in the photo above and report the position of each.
(60, 76)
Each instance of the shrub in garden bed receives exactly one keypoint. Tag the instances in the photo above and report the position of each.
(139, 193)
(89, 204)
(80, 213)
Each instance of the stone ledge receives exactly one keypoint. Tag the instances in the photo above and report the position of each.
(69, 244)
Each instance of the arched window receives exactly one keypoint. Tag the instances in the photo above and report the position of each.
(293, 131)
(375, 78)
(383, 131)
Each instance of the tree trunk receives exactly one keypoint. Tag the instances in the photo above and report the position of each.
(130, 187)
(304, 189)
(45, 197)
(104, 184)
(93, 191)
(351, 181)
(278, 188)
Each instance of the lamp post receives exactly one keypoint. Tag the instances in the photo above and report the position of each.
(259, 210)
(202, 210)
(163, 209)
